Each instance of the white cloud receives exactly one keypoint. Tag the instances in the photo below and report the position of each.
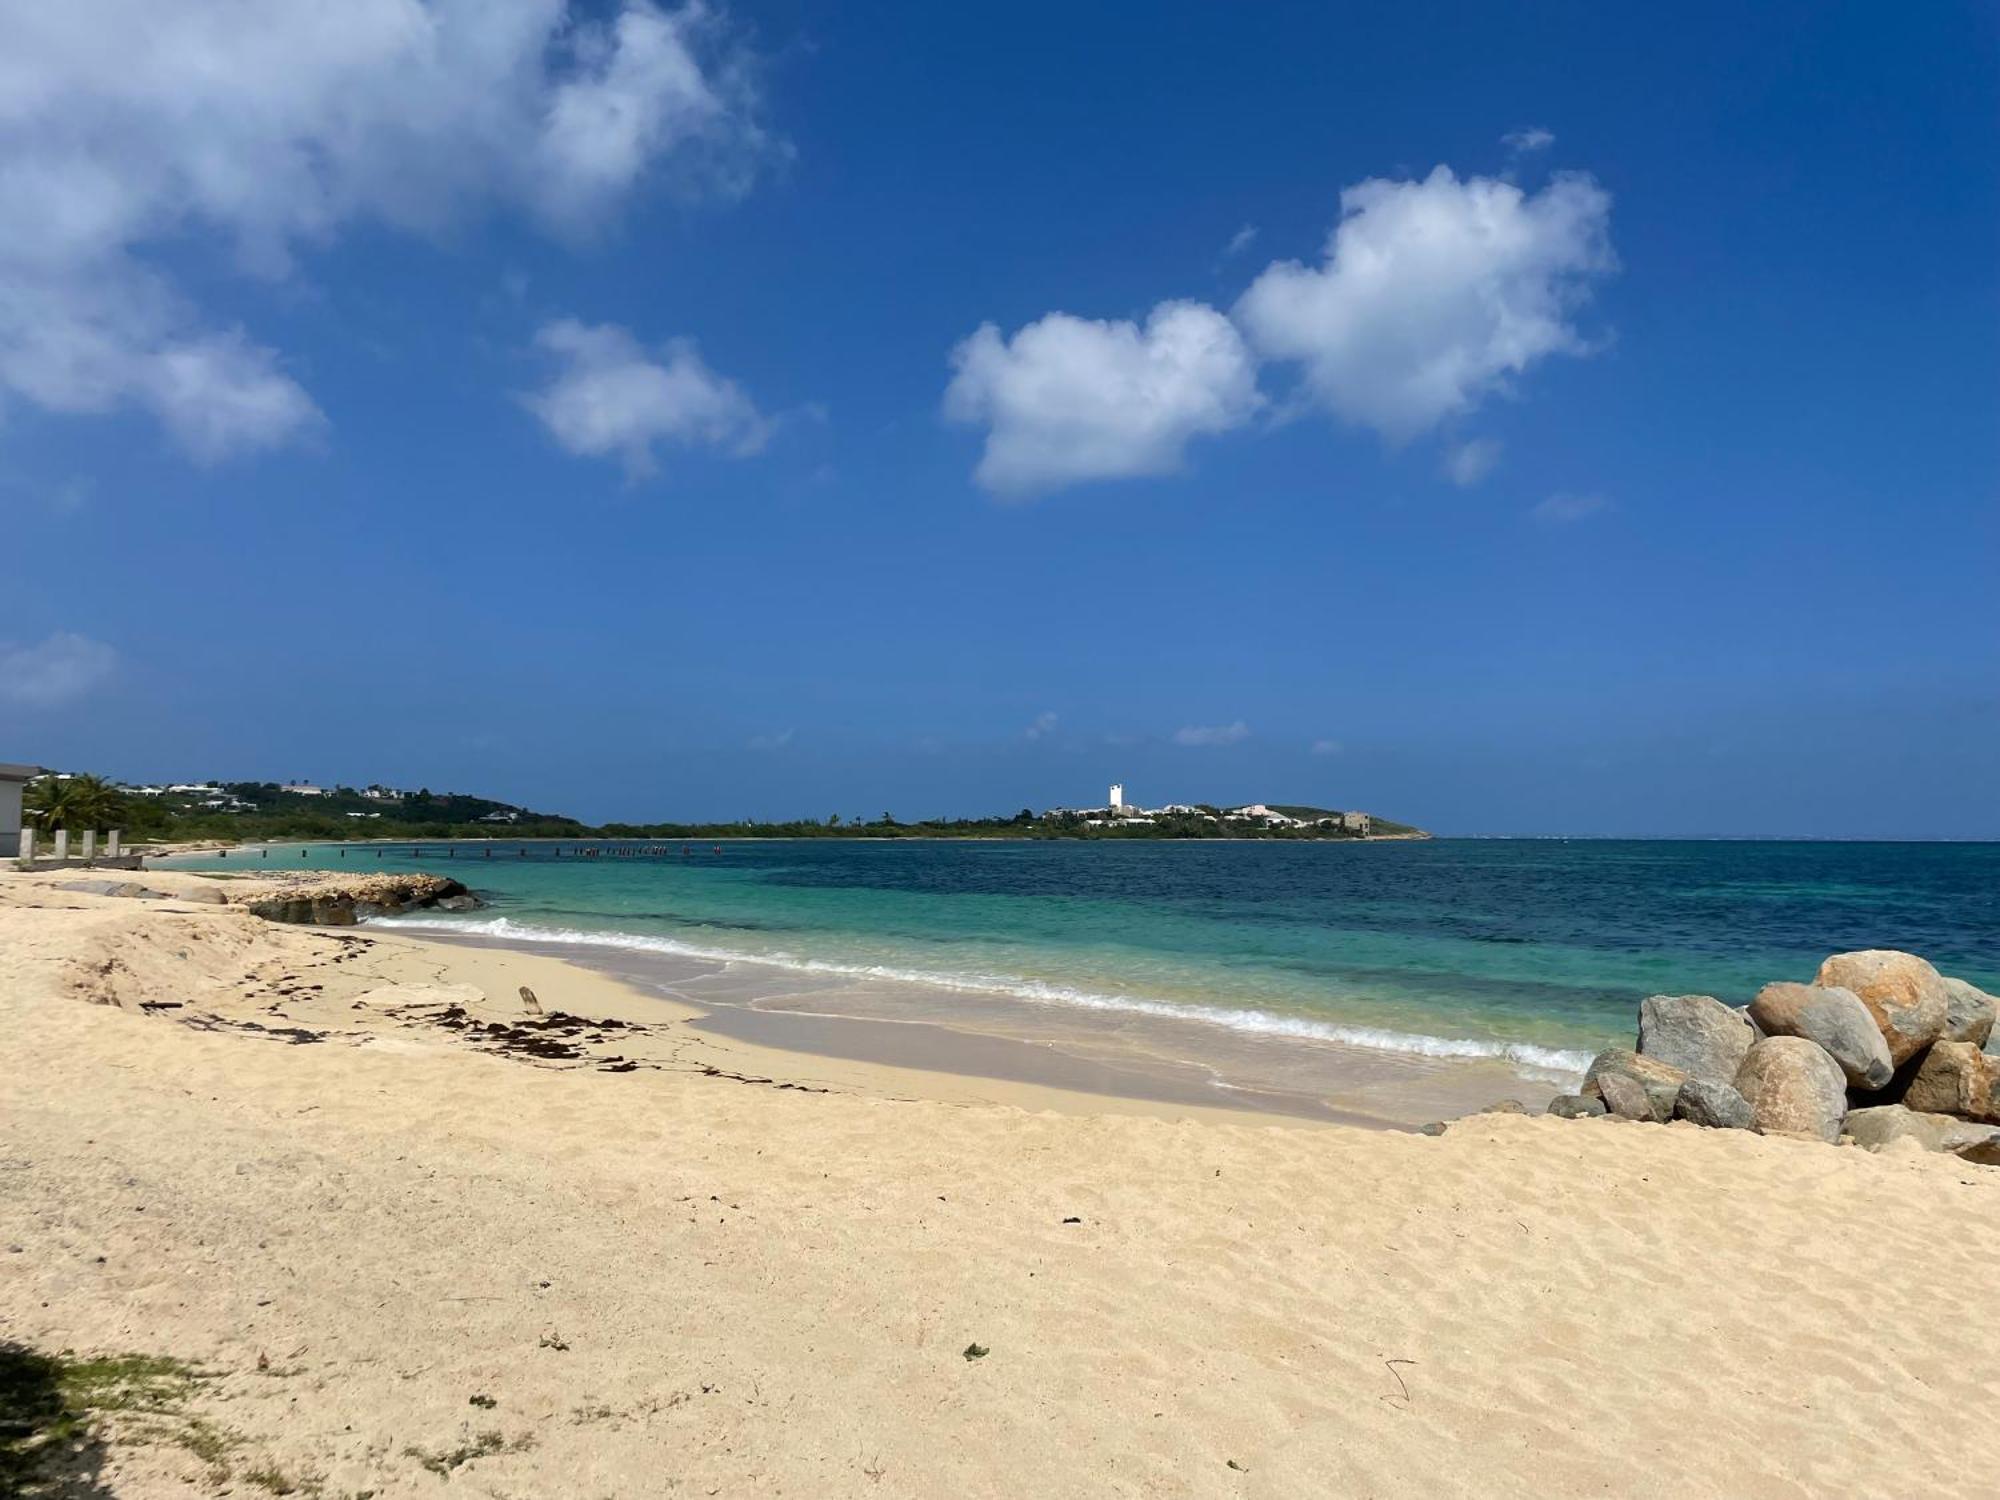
(609, 396)
(128, 126)
(57, 670)
(1562, 509)
(1531, 138)
(1327, 747)
(776, 741)
(1241, 240)
(1045, 724)
(1432, 294)
(1070, 399)
(1212, 734)
(1468, 463)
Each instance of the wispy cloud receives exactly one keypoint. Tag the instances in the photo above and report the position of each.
(776, 741)
(1212, 734)
(1529, 138)
(1240, 241)
(1468, 463)
(1045, 724)
(1327, 747)
(58, 670)
(1566, 509)
(609, 395)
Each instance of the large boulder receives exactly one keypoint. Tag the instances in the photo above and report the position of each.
(1716, 1105)
(1793, 1087)
(1956, 1078)
(1905, 995)
(1660, 1081)
(1696, 1033)
(1834, 1018)
(1886, 1124)
(1969, 1013)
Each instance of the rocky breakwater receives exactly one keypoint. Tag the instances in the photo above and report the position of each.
(336, 900)
(1879, 1050)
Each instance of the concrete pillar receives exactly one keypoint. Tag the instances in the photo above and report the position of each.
(62, 843)
(90, 843)
(28, 844)
(111, 842)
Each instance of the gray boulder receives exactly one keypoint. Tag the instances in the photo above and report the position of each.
(1793, 1088)
(1969, 1013)
(1956, 1078)
(1660, 1081)
(1905, 995)
(1696, 1033)
(1716, 1105)
(1886, 1124)
(1834, 1018)
(1578, 1107)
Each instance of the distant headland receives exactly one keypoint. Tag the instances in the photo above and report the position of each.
(252, 811)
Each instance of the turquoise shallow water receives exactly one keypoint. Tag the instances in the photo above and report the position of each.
(1533, 950)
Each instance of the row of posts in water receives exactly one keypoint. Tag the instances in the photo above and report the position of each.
(580, 851)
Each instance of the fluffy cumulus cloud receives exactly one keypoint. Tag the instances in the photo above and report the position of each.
(1068, 399)
(610, 397)
(128, 128)
(1213, 734)
(54, 671)
(1431, 294)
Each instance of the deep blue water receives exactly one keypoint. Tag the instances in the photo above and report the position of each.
(1455, 945)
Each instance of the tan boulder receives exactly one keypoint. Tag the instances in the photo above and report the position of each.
(1956, 1078)
(1836, 1019)
(1905, 995)
(1793, 1088)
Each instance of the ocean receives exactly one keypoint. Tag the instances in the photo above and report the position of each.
(1254, 959)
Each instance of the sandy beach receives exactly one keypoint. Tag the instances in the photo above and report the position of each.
(412, 1236)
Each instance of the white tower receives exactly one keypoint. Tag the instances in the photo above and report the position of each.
(1117, 796)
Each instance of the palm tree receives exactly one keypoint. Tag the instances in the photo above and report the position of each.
(78, 803)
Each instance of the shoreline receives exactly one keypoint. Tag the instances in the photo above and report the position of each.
(406, 1233)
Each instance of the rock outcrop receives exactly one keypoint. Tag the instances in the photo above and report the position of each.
(1834, 1018)
(343, 901)
(1696, 1033)
(1793, 1087)
(1905, 995)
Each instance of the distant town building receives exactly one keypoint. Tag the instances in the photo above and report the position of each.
(305, 789)
(1117, 796)
(383, 794)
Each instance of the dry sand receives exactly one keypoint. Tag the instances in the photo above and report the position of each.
(728, 1271)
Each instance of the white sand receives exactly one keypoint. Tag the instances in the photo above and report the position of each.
(670, 1282)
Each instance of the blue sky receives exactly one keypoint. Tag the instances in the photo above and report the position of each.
(591, 408)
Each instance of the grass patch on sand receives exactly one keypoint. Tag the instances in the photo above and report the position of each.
(57, 1410)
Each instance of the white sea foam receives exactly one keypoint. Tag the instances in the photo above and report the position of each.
(1554, 1063)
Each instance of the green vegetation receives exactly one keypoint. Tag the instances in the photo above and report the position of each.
(251, 812)
(57, 1413)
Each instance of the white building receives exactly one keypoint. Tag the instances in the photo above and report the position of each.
(1117, 802)
(12, 779)
(305, 789)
